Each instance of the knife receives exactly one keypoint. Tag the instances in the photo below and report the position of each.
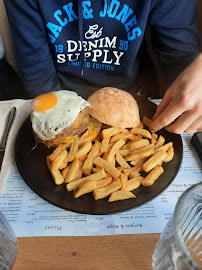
(9, 122)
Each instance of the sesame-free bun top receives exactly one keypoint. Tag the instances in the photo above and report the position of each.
(114, 107)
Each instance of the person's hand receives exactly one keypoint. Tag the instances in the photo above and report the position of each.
(181, 108)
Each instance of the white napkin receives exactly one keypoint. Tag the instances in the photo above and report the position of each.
(23, 111)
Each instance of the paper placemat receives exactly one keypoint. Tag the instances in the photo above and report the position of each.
(32, 216)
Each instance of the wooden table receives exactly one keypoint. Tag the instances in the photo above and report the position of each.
(95, 252)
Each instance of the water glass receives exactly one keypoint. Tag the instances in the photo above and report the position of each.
(180, 244)
(8, 244)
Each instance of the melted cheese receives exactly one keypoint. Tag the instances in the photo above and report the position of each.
(90, 134)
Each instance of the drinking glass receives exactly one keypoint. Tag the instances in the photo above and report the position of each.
(8, 244)
(180, 244)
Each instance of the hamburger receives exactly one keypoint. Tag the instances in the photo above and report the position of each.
(63, 116)
(114, 107)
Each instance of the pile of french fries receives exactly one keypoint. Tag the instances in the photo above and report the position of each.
(111, 166)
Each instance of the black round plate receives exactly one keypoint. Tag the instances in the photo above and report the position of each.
(33, 169)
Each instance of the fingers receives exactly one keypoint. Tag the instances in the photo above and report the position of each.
(182, 123)
(164, 103)
(181, 107)
(194, 126)
(170, 113)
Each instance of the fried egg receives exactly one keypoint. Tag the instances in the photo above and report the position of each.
(53, 112)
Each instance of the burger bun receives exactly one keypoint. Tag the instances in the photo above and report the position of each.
(114, 107)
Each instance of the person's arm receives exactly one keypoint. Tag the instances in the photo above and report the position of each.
(32, 47)
(176, 42)
(181, 108)
(175, 38)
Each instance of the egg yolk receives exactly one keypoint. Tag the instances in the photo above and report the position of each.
(44, 102)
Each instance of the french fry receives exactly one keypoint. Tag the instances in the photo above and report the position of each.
(164, 147)
(96, 176)
(83, 150)
(104, 192)
(97, 169)
(152, 176)
(66, 170)
(154, 137)
(104, 182)
(117, 137)
(133, 183)
(102, 167)
(146, 121)
(72, 172)
(92, 177)
(170, 154)
(88, 164)
(141, 160)
(110, 145)
(109, 132)
(131, 137)
(139, 144)
(56, 152)
(73, 149)
(142, 132)
(141, 153)
(74, 184)
(113, 171)
(79, 173)
(121, 161)
(64, 164)
(104, 145)
(107, 175)
(74, 191)
(106, 154)
(57, 177)
(124, 180)
(136, 169)
(57, 162)
(120, 168)
(125, 152)
(160, 142)
(114, 150)
(81, 143)
(154, 160)
(121, 195)
(127, 145)
(87, 172)
(161, 162)
(134, 174)
(113, 162)
(83, 158)
(86, 187)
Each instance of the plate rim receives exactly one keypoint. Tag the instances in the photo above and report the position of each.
(97, 213)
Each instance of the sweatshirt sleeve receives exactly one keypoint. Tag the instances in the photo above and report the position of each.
(175, 38)
(32, 47)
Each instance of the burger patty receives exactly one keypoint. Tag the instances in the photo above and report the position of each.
(78, 126)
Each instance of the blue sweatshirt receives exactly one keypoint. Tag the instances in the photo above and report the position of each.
(69, 44)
